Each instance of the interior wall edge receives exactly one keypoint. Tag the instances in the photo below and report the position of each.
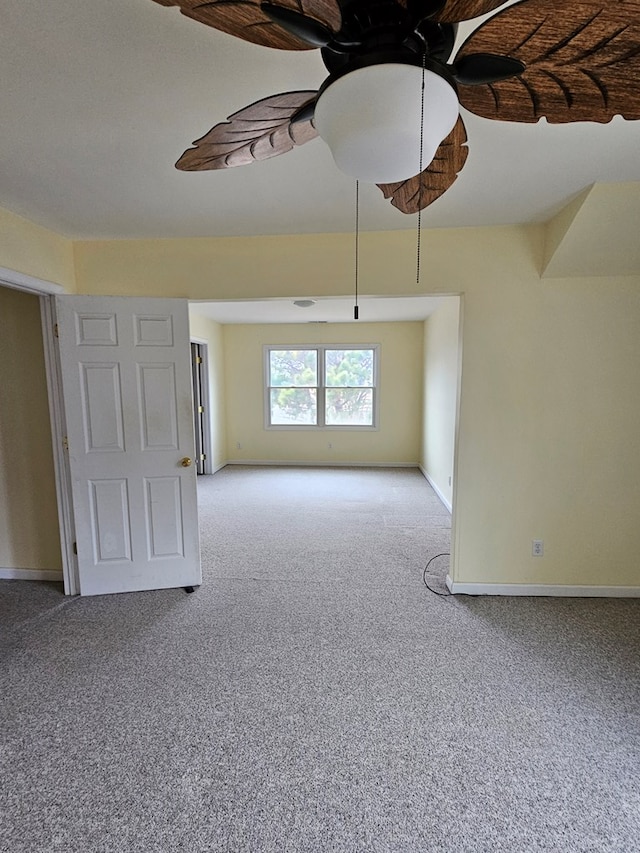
(435, 488)
(33, 250)
(557, 228)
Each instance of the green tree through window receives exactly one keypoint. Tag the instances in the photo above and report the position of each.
(349, 391)
(321, 386)
(293, 386)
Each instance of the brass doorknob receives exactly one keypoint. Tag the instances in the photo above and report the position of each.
(186, 462)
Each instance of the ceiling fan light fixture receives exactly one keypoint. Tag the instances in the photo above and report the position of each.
(370, 119)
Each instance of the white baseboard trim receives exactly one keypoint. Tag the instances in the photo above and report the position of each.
(436, 489)
(306, 464)
(553, 590)
(217, 468)
(30, 574)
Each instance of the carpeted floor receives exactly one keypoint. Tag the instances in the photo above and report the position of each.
(314, 696)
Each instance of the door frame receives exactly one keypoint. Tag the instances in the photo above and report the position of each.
(206, 402)
(46, 292)
(60, 456)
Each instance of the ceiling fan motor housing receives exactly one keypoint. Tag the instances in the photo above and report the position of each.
(371, 111)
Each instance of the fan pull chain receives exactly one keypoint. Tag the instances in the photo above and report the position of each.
(424, 59)
(355, 307)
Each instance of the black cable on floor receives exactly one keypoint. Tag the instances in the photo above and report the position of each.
(424, 576)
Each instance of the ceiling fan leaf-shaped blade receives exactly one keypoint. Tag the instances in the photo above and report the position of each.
(464, 10)
(257, 132)
(246, 20)
(419, 192)
(581, 58)
(302, 131)
(326, 11)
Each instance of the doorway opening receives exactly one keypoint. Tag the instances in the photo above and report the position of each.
(201, 406)
(203, 377)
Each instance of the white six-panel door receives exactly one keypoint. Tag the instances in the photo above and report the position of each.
(126, 379)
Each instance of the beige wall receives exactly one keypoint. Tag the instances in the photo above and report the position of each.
(549, 442)
(397, 441)
(549, 412)
(255, 267)
(29, 537)
(549, 426)
(440, 383)
(208, 330)
(30, 249)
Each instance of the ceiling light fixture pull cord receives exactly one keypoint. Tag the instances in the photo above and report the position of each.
(424, 62)
(355, 307)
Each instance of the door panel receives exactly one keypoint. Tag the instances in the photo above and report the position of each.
(126, 377)
(110, 527)
(158, 406)
(164, 517)
(102, 407)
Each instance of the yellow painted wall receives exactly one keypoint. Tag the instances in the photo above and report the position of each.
(29, 537)
(211, 332)
(549, 443)
(538, 427)
(255, 267)
(596, 234)
(35, 251)
(440, 382)
(397, 441)
(585, 431)
(550, 404)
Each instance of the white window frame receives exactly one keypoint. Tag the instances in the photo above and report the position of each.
(321, 387)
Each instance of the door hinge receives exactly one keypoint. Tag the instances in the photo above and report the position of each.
(75, 548)
(65, 442)
(203, 456)
(55, 331)
(201, 409)
(198, 359)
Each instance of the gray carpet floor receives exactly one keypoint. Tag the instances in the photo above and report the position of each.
(314, 696)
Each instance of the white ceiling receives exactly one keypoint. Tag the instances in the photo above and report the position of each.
(370, 309)
(98, 99)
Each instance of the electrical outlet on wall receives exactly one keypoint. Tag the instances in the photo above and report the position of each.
(537, 548)
(239, 446)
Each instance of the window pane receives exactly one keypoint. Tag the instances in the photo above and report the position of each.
(293, 406)
(293, 367)
(349, 406)
(350, 368)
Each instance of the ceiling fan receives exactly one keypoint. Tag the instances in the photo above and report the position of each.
(391, 101)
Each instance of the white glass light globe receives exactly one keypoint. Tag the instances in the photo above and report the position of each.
(370, 119)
